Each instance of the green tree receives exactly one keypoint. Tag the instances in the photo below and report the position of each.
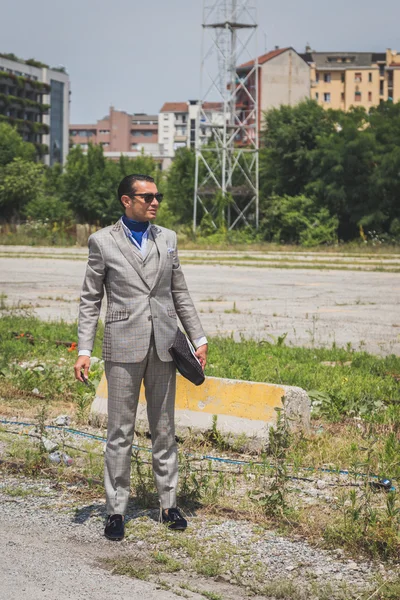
(291, 134)
(341, 176)
(90, 182)
(180, 185)
(297, 219)
(13, 146)
(20, 183)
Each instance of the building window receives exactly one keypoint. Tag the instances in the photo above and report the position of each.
(317, 77)
(357, 97)
(369, 96)
(316, 95)
(104, 131)
(381, 87)
(342, 96)
(82, 133)
(381, 70)
(358, 77)
(343, 77)
(370, 77)
(327, 78)
(327, 97)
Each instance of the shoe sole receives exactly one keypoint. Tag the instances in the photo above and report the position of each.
(113, 538)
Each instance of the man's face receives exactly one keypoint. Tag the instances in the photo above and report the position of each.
(137, 208)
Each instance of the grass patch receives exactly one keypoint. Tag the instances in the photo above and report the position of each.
(357, 402)
(359, 384)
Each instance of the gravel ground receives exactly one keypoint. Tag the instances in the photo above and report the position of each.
(52, 545)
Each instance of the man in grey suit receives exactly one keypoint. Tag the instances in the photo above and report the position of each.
(137, 265)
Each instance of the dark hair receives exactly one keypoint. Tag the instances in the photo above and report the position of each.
(127, 185)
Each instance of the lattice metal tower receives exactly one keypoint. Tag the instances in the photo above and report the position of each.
(227, 123)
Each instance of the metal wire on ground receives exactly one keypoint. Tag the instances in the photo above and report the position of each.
(217, 459)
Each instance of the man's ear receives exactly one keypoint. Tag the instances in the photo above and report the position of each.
(125, 200)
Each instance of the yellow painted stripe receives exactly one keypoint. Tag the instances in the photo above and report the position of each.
(244, 399)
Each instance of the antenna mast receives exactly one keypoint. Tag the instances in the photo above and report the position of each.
(227, 127)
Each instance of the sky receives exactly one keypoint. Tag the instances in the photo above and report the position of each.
(137, 54)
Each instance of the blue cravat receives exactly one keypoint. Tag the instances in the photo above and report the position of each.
(137, 228)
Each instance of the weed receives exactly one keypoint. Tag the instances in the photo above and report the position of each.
(142, 481)
(273, 499)
(170, 565)
(124, 567)
(233, 310)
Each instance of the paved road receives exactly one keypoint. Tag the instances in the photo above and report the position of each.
(312, 306)
(44, 557)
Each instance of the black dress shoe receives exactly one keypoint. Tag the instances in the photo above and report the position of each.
(173, 519)
(114, 530)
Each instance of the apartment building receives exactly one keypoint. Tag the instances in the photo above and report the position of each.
(283, 78)
(340, 80)
(35, 99)
(177, 125)
(120, 133)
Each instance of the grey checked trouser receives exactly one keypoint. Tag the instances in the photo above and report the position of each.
(124, 380)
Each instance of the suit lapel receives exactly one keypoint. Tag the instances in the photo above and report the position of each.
(126, 247)
(156, 235)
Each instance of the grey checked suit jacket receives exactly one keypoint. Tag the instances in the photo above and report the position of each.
(141, 293)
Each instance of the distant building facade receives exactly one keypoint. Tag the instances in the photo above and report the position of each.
(35, 99)
(177, 125)
(283, 78)
(120, 133)
(340, 80)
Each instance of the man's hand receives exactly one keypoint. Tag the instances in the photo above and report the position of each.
(82, 364)
(201, 354)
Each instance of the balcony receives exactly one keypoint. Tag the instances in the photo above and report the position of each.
(180, 138)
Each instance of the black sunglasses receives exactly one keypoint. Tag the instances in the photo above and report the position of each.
(150, 197)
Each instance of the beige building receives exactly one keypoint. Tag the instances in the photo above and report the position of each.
(340, 80)
(283, 78)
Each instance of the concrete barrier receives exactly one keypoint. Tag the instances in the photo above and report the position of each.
(241, 406)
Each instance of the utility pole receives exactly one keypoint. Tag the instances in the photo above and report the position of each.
(227, 127)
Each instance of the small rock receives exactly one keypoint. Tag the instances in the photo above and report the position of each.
(222, 578)
(55, 457)
(67, 460)
(35, 391)
(321, 484)
(49, 445)
(62, 420)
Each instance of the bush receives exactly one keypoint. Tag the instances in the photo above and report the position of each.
(48, 208)
(296, 219)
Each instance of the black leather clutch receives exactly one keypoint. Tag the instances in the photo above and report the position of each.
(187, 364)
